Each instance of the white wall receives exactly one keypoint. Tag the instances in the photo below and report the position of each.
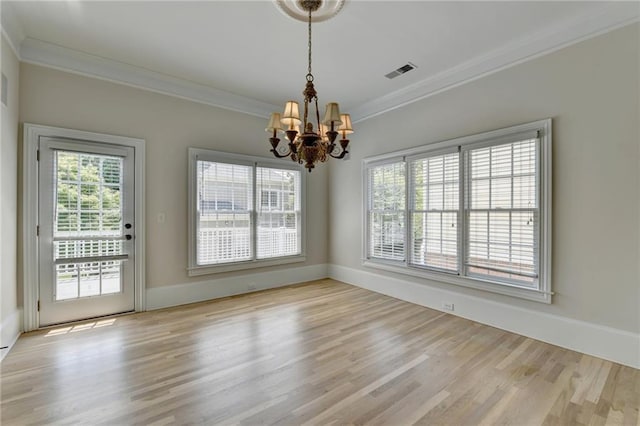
(9, 312)
(169, 125)
(591, 91)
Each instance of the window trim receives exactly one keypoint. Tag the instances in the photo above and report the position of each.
(505, 135)
(195, 154)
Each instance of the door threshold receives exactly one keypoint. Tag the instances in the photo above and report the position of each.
(85, 320)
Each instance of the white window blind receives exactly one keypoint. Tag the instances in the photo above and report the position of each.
(434, 185)
(503, 211)
(386, 211)
(473, 211)
(278, 212)
(224, 212)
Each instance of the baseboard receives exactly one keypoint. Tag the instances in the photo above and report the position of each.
(180, 294)
(10, 330)
(593, 339)
(604, 342)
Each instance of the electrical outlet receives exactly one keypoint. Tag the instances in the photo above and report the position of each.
(447, 306)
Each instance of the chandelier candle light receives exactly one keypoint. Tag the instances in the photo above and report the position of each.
(310, 146)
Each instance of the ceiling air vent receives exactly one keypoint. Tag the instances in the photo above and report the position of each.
(403, 69)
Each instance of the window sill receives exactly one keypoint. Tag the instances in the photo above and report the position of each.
(195, 271)
(475, 283)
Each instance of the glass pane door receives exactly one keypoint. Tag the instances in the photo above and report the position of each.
(86, 230)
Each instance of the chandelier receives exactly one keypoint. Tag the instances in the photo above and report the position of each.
(312, 145)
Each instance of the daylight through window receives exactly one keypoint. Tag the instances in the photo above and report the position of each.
(474, 210)
(244, 211)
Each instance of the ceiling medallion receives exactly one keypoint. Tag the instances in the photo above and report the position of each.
(296, 9)
(311, 146)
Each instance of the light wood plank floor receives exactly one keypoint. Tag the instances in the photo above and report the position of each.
(318, 353)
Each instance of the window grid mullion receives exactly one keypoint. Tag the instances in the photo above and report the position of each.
(442, 208)
(463, 190)
(254, 214)
(538, 207)
(370, 184)
(512, 206)
(490, 202)
(408, 216)
(411, 209)
(488, 236)
(510, 237)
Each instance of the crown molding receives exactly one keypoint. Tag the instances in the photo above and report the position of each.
(607, 18)
(53, 56)
(12, 29)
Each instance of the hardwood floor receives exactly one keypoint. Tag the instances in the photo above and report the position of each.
(318, 353)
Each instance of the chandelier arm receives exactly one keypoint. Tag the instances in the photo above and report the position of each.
(339, 156)
(291, 152)
(344, 143)
(278, 155)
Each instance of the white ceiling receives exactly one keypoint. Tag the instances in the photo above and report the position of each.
(250, 51)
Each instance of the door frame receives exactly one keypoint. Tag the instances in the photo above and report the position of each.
(30, 260)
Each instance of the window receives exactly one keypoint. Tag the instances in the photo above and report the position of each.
(278, 222)
(474, 211)
(224, 220)
(244, 212)
(502, 212)
(387, 211)
(435, 211)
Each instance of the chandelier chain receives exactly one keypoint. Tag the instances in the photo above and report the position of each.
(309, 70)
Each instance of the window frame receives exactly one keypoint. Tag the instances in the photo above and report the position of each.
(543, 292)
(198, 154)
